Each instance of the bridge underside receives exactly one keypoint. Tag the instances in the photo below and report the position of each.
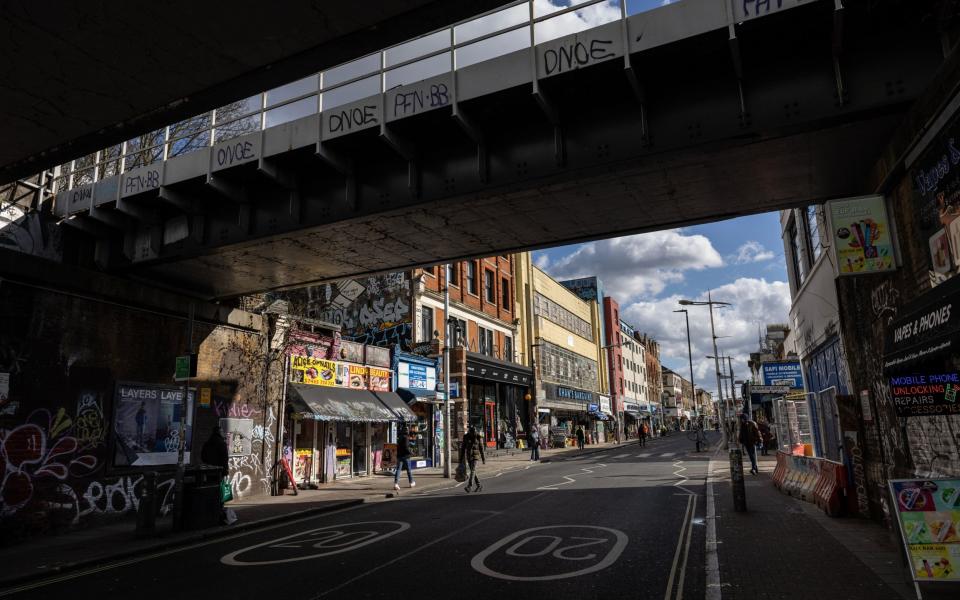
(594, 154)
(62, 62)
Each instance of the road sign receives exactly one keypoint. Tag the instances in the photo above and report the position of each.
(186, 367)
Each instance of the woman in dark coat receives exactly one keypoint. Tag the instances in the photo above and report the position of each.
(471, 450)
(403, 458)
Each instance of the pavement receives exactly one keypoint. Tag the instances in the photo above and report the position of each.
(56, 554)
(612, 521)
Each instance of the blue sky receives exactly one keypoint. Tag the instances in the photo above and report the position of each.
(741, 260)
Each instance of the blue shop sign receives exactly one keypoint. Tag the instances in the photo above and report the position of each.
(571, 394)
(783, 373)
(593, 407)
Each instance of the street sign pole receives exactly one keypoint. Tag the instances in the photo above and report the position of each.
(447, 429)
(178, 481)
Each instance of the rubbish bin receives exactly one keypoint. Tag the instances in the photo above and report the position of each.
(201, 498)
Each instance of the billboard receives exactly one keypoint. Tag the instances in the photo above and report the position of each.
(782, 373)
(862, 240)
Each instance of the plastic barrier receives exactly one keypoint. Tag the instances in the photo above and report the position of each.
(781, 471)
(831, 487)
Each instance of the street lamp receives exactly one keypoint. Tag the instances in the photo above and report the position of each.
(736, 458)
(693, 386)
(620, 412)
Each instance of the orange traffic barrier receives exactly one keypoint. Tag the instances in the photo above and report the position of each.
(781, 471)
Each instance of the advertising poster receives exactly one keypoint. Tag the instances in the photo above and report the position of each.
(379, 379)
(389, 460)
(313, 371)
(147, 424)
(357, 377)
(416, 377)
(862, 239)
(929, 515)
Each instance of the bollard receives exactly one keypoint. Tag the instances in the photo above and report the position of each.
(147, 510)
(736, 480)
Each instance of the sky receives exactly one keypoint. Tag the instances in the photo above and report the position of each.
(740, 260)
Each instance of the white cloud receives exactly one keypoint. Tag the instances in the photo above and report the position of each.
(638, 265)
(752, 252)
(755, 303)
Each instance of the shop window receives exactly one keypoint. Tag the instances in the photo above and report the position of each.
(488, 291)
(472, 277)
(426, 324)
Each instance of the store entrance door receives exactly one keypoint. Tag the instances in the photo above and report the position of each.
(490, 423)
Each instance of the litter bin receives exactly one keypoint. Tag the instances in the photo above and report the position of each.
(201, 498)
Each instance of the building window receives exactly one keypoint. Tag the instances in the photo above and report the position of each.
(426, 324)
(813, 231)
(505, 292)
(555, 313)
(508, 348)
(453, 277)
(472, 277)
(486, 345)
(457, 332)
(488, 291)
(797, 256)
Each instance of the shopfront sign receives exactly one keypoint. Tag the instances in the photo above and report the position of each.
(605, 404)
(572, 394)
(927, 510)
(378, 379)
(929, 327)
(416, 377)
(761, 390)
(313, 371)
(357, 377)
(786, 373)
(862, 241)
(925, 394)
(481, 368)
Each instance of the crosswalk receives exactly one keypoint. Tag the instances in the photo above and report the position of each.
(645, 455)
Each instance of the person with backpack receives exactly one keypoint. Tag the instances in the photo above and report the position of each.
(749, 438)
(471, 450)
(403, 458)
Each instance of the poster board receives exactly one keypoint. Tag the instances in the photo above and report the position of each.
(862, 239)
(928, 512)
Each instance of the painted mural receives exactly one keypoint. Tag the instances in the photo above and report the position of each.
(370, 310)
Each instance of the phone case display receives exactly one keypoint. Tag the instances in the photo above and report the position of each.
(929, 515)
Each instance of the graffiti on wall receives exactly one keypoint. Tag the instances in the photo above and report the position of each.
(367, 308)
(29, 233)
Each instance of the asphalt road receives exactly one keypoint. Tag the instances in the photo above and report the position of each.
(628, 522)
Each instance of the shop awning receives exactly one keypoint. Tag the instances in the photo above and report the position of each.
(396, 405)
(337, 404)
(633, 413)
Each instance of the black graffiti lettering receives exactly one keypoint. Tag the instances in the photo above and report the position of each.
(599, 49)
(438, 95)
(234, 152)
(139, 183)
(408, 103)
(81, 195)
(347, 120)
(759, 6)
(575, 55)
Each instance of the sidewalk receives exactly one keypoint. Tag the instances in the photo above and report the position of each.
(783, 547)
(49, 555)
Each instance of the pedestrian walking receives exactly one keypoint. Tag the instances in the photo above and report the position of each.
(749, 437)
(642, 430)
(765, 435)
(471, 450)
(214, 453)
(534, 438)
(580, 436)
(701, 437)
(403, 458)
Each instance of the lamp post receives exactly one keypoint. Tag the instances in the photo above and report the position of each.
(447, 430)
(620, 413)
(736, 457)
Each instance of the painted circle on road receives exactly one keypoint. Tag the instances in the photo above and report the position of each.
(550, 552)
(332, 539)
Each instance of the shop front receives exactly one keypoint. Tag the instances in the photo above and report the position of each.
(569, 408)
(633, 418)
(495, 393)
(416, 384)
(342, 415)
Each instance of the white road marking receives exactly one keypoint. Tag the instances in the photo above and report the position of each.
(714, 590)
(682, 541)
(668, 454)
(644, 455)
(620, 456)
(330, 534)
(554, 550)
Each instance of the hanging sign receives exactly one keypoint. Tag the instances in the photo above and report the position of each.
(862, 242)
(313, 371)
